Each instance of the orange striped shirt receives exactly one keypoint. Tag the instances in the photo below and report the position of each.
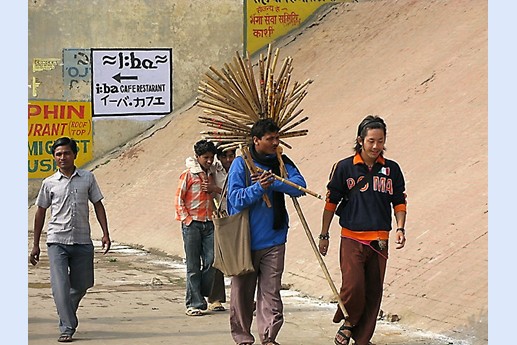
(191, 202)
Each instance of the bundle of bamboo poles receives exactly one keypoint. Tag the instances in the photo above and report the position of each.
(233, 99)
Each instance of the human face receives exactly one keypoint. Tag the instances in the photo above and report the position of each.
(64, 157)
(268, 144)
(373, 145)
(205, 160)
(226, 159)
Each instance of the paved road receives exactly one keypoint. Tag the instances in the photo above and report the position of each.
(139, 299)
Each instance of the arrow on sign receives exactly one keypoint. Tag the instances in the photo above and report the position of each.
(119, 77)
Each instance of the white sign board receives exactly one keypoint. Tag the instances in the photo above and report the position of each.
(131, 81)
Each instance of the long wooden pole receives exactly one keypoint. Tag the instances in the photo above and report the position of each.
(313, 244)
(292, 184)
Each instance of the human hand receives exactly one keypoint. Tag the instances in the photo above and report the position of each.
(106, 243)
(34, 256)
(255, 177)
(323, 246)
(266, 179)
(400, 240)
(208, 185)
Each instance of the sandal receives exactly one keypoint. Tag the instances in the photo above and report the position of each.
(341, 338)
(65, 338)
(216, 306)
(194, 312)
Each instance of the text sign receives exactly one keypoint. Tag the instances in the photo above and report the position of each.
(50, 120)
(267, 20)
(131, 81)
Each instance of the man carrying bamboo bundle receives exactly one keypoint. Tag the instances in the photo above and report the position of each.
(365, 222)
(268, 226)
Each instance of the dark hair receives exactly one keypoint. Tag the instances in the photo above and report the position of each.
(221, 152)
(261, 127)
(203, 146)
(369, 122)
(63, 142)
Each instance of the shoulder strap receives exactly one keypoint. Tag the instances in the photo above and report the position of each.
(368, 178)
(224, 188)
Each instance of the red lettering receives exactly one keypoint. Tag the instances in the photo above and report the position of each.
(389, 186)
(54, 129)
(62, 111)
(58, 128)
(34, 110)
(379, 184)
(74, 111)
(35, 129)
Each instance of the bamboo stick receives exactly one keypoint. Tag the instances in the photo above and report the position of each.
(292, 184)
(233, 98)
(295, 134)
(217, 102)
(292, 117)
(224, 89)
(249, 68)
(314, 246)
(262, 86)
(218, 97)
(223, 109)
(275, 58)
(224, 126)
(253, 168)
(268, 63)
(285, 144)
(302, 120)
(238, 89)
(247, 72)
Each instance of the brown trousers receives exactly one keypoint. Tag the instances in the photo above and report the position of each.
(267, 278)
(362, 278)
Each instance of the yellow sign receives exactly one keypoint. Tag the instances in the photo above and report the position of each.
(41, 64)
(267, 20)
(48, 121)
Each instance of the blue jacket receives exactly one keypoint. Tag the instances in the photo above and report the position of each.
(244, 194)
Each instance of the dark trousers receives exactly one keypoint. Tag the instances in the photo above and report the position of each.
(362, 278)
(218, 292)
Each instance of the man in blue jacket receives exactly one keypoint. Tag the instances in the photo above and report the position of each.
(268, 229)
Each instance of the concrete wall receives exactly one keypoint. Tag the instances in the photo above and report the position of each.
(200, 33)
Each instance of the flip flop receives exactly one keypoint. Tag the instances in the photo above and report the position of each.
(194, 312)
(341, 338)
(65, 338)
(216, 306)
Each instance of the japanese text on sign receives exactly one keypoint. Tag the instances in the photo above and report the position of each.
(131, 81)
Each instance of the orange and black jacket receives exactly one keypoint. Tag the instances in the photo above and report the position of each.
(369, 209)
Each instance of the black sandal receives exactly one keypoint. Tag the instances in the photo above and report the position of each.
(65, 338)
(345, 339)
